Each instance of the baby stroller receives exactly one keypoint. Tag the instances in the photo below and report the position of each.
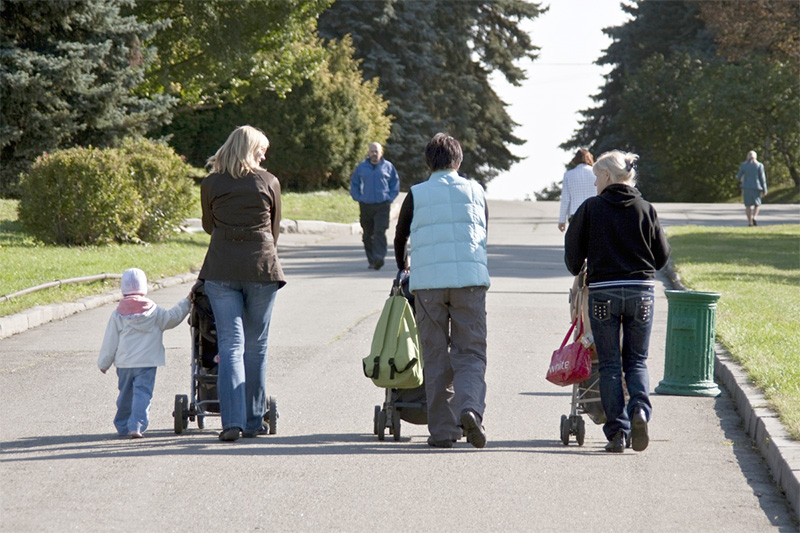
(586, 394)
(204, 400)
(400, 404)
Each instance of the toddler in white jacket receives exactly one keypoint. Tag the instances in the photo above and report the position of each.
(133, 342)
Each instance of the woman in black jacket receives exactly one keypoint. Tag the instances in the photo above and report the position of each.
(618, 234)
(242, 211)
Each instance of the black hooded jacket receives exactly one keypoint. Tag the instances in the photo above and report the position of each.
(619, 233)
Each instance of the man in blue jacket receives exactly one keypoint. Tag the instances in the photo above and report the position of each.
(374, 185)
(446, 220)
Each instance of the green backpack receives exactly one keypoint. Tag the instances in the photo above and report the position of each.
(395, 360)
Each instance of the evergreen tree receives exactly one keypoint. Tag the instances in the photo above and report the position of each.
(433, 60)
(655, 27)
(68, 69)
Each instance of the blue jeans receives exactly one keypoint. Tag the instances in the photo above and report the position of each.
(631, 309)
(242, 311)
(133, 403)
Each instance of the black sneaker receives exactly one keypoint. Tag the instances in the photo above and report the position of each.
(473, 429)
(639, 437)
(378, 264)
(617, 443)
(230, 434)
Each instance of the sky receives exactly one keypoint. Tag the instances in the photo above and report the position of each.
(561, 82)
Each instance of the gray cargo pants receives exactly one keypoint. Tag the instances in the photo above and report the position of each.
(452, 331)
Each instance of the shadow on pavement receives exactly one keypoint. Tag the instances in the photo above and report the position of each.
(200, 443)
(565, 393)
(324, 261)
(533, 262)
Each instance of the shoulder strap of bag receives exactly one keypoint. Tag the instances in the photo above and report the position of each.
(571, 329)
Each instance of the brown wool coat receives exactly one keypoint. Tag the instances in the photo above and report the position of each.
(243, 217)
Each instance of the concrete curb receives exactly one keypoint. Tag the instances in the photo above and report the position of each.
(315, 227)
(781, 453)
(310, 227)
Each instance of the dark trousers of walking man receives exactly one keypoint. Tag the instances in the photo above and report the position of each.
(374, 223)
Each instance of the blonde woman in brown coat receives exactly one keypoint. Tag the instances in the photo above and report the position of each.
(242, 212)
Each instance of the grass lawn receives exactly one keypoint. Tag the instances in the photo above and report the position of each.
(330, 206)
(757, 271)
(25, 263)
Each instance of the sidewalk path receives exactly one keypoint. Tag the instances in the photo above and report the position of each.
(61, 469)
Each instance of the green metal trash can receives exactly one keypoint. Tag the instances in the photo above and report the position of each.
(689, 355)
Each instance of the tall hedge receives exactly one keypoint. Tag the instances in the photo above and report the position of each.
(161, 179)
(92, 196)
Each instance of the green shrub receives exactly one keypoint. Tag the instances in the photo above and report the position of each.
(164, 185)
(138, 192)
(318, 132)
(80, 196)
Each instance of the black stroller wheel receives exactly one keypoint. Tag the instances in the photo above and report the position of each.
(382, 424)
(580, 434)
(181, 414)
(272, 415)
(396, 425)
(565, 429)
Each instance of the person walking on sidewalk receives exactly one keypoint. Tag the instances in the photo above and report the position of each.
(577, 186)
(133, 342)
(753, 183)
(241, 205)
(374, 185)
(446, 220)
(618, 234)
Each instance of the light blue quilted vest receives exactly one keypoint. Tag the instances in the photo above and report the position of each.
(448, 233)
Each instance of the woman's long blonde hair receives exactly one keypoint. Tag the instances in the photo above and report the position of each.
(237, 156)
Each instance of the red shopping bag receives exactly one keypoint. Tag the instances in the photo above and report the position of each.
(572, 363)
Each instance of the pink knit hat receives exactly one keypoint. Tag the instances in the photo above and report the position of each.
(134, 281)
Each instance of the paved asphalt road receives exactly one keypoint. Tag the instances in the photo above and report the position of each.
(63, 469)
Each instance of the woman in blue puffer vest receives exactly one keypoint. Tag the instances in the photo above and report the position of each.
(445, 219)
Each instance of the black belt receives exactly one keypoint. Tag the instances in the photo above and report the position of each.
(242, 234)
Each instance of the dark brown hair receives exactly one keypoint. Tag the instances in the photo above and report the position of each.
(443, 153)
(582, 156)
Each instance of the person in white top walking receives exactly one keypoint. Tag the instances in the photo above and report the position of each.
(578, 185)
